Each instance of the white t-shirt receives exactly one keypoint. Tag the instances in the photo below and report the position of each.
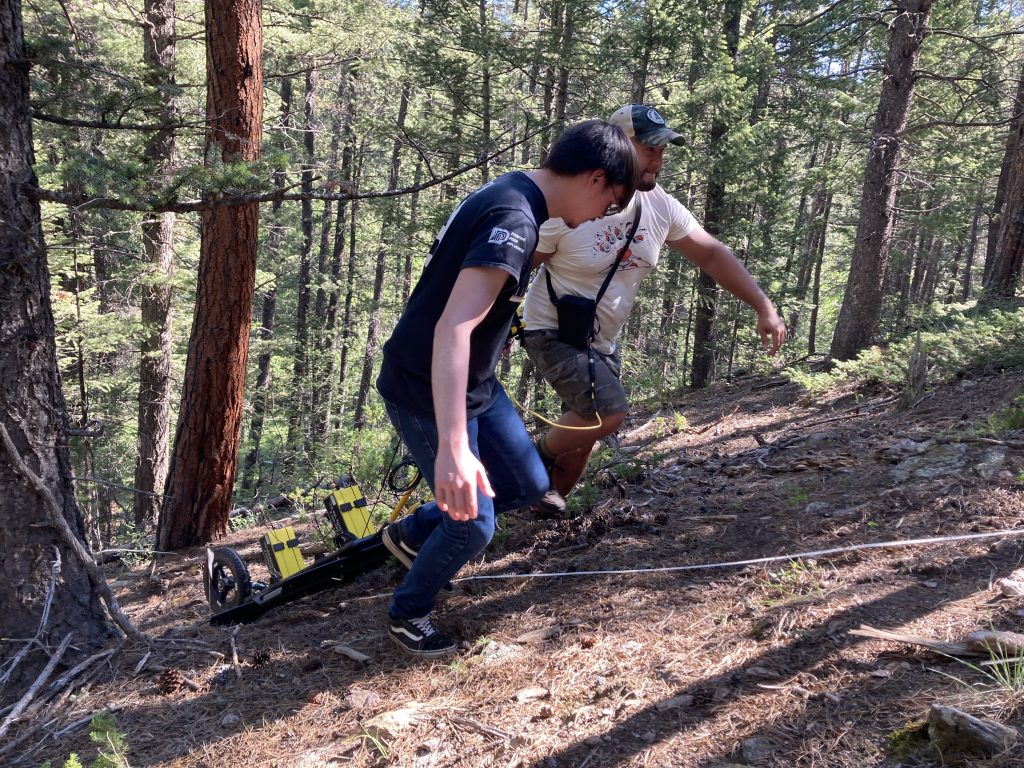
(582, 257)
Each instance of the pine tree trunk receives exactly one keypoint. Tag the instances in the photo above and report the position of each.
(198, 498)
(702, 372)
(388, 228)
(972, 248)
(158, 242)
(32, 408)
(1013, 147)
(819, 257)
(252, 476)
(350, 288)
(861, 307)
(299, 406)
(1003, 270)
(485, 91)
(343, 141)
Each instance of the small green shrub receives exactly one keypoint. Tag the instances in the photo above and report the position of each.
(1008, 419)
(957, 338)
(113, 746)
(792, 580)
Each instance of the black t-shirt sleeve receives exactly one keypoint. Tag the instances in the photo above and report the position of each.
(503, 238)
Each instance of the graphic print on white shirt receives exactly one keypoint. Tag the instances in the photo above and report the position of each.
(582, 256)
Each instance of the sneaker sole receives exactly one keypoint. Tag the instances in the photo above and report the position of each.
(422, 654)
(403, 557)
(395, 549)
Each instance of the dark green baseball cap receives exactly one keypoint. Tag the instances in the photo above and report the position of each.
(645, 124)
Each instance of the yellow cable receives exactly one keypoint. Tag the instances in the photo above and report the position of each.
(524, 409)
(400, 506)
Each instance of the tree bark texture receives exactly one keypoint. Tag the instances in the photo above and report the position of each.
(1003, 270)
(862, 302)
(198, 497)
(1013, 146)
(32, 407)
(157, 240)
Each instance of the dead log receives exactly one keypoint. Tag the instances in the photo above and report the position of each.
(997, 644)
(953, 730)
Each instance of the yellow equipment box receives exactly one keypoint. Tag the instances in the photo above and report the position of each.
(347, 506)
(281, 552)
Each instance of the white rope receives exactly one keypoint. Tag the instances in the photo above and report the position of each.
(735, 563)
(756, 561)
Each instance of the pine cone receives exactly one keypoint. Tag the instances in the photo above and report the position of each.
(170, 681)
(260, 658)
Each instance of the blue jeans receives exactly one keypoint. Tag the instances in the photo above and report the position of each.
(499, 440)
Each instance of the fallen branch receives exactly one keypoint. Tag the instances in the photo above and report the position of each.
(981, 440)
(71, 541)
(76, 724)
(704, 429)
(234, 652)
(43, 620)
(955, 731)
(949, 649)
(79, 668)
(30, 694)
(852, 411)
(478, 726)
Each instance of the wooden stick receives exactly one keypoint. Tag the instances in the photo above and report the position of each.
(489, 730)
(25, 700)
(71, 541)
(234, 652)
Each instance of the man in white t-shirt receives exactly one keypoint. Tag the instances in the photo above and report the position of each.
(577, 261)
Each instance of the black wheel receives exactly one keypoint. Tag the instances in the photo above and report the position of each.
(343, 539)
(226, 579)
(404, 476)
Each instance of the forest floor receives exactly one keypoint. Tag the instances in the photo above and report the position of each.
(710, 667)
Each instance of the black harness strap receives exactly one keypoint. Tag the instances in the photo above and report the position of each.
(604, 286)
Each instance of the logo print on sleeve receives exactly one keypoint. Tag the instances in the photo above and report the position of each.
(499, 236)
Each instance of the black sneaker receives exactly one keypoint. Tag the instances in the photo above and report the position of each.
(391, 538)
(551, 503)
(419, 637)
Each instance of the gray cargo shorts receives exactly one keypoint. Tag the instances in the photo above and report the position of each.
(567, 370)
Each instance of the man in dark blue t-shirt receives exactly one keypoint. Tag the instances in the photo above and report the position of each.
(437, 376)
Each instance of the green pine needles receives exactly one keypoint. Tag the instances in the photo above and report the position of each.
(957, 339)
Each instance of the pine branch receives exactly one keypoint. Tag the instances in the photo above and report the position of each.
(83, 202)
(114, 126)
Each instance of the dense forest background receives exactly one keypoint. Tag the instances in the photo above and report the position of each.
(377, 117)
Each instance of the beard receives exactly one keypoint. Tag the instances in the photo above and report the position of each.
(646, 182)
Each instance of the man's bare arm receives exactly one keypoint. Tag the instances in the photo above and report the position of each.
(715, 258)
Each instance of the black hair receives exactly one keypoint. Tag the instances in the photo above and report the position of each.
(594, 145)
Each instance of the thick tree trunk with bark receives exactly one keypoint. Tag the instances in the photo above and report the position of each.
(1003, 269)
(157, 240)
(32, 408)
(198, 497)
(1013, 146)
(862, 303)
